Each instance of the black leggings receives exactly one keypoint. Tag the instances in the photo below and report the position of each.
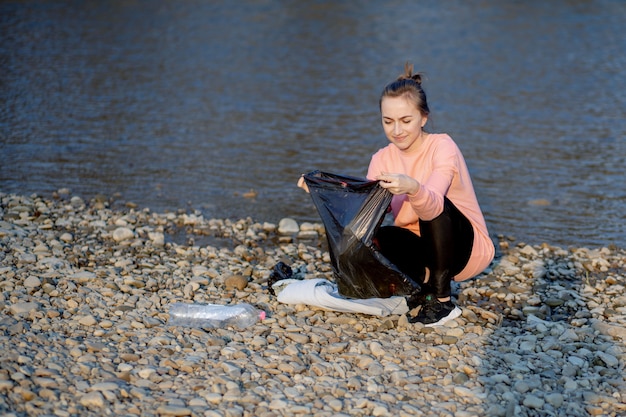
(444, 247)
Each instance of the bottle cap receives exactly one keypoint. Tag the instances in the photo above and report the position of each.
(262, 315)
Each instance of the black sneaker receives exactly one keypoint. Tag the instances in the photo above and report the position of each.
(435, 312)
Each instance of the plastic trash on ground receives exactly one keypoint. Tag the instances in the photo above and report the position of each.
(213, 316)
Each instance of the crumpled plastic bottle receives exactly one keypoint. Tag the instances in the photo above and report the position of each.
(213, 316)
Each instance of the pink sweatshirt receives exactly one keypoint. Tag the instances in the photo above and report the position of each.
(440, 168)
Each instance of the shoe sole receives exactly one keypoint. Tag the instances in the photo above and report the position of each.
(453, 314)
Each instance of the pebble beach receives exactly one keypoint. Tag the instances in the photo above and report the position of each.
(85, 289)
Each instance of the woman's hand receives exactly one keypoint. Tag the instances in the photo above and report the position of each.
(302, 184)
(398, 183)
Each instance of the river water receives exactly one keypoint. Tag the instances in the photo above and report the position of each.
(191, 105)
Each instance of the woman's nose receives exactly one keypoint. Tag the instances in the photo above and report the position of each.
(397, 128)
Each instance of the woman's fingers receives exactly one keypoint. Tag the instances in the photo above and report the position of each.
(386, 178)
(398, 183)
(302, 184)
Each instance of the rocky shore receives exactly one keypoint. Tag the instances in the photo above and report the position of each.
(85, 290)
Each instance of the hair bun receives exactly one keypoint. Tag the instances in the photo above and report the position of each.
(408, 74)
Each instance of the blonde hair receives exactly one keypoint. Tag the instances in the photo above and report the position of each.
(409, 85)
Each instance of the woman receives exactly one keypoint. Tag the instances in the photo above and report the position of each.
(439, 231)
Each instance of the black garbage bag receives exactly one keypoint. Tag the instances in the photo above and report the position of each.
(352, 209)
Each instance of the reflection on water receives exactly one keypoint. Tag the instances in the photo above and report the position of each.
(191, 105)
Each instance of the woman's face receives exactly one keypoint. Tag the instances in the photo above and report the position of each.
(403, 123)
